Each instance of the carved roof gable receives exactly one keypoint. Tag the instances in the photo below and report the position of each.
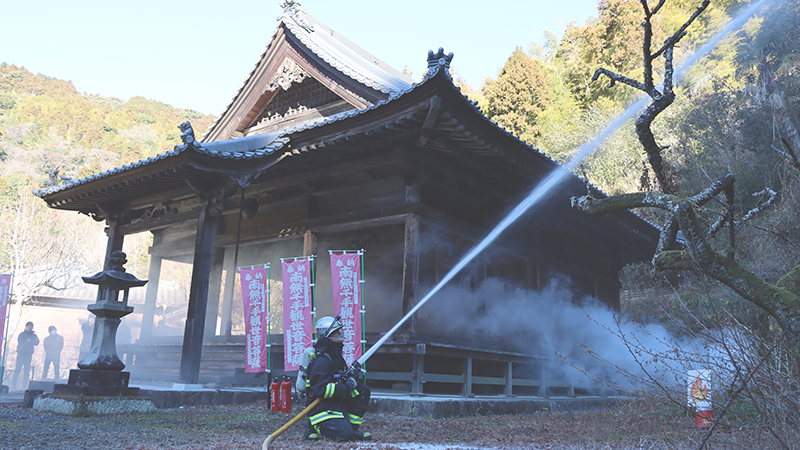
(317, 68)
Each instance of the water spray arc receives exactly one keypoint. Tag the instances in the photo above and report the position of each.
(561, 173)
(554, 179)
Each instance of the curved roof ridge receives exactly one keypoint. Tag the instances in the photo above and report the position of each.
(333, 48)
(341, 53)
(241, 88)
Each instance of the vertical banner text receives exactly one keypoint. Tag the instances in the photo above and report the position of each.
(345, 276)
(297, 310)
(256, 318)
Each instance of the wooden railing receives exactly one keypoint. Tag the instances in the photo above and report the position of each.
(415, 367)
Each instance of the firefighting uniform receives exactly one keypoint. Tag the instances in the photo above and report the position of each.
(341, 411)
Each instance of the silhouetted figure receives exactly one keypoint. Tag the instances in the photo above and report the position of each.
(26, 342)
(87, 327)
(53, 344)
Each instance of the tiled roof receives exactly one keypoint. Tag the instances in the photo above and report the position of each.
(334, 49)
(251, 147)
(342, 54)
(261, 145)
(53, 189)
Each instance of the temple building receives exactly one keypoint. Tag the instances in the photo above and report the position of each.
(325, 147)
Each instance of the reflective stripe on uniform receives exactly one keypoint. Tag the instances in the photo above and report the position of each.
(355, 420)
(355, 393)
(330, 389)
(325, 415)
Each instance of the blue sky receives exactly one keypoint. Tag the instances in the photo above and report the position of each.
(197, 54)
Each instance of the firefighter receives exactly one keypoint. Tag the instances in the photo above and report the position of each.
(344, 398)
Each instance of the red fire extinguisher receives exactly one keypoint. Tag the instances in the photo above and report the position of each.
(274, 389)
(286, 396)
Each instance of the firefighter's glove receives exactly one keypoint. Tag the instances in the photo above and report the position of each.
(351, 383)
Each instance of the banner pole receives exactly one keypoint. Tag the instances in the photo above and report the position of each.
(5, 324)
(362, 283)
(313, 294)
(269, 317)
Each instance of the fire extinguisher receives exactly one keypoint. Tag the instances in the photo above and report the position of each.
(286, 396)
(274, 389)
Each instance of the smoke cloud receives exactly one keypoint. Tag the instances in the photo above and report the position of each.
(576, 334)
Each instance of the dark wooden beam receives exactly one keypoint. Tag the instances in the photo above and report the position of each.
(161, 222)
(430, 119)
(411, 260)
(114, 244)
(191, 352)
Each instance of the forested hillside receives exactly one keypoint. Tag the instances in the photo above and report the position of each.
(726, 108)
(46, 124)
(735, 111)
(48, 130)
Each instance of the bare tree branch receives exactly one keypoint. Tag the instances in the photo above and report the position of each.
(678, 35)
(614, 77)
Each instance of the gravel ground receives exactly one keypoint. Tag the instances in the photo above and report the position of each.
(638, 425)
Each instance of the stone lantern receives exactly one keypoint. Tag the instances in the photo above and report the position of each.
(100, 372)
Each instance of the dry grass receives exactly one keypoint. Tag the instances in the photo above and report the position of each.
(632, 425)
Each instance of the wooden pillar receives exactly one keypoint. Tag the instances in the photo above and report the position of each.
(410, 270)
(411, 260)
(151, 297)
(508, 374)
(309, 244)
(115, 241)
(214, 288)
(571, 390)
(192, 349)
(228, 265)
(466, 370)
(418, 371)
(543, 382)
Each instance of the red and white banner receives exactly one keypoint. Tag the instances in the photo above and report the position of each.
(297, 311)
(345, 277)
(5, 290)
(256, 318)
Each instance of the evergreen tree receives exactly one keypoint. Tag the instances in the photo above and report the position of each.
(518, 96)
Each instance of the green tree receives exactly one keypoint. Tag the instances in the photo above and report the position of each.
(518, 96)
(704, 248)
(7, 101)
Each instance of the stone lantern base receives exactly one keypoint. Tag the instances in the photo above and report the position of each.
(97, 383)
(92, 392)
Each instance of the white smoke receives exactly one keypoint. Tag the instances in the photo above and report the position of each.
(580, 337)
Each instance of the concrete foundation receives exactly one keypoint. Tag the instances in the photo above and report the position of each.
(442, 406)
(381, 402)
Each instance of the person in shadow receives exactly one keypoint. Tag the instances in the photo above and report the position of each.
(53, 344)
(26, 341)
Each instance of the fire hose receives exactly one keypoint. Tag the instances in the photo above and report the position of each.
(289, 424)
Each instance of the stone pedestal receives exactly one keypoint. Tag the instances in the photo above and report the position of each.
(76, 405)
(96, 383)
